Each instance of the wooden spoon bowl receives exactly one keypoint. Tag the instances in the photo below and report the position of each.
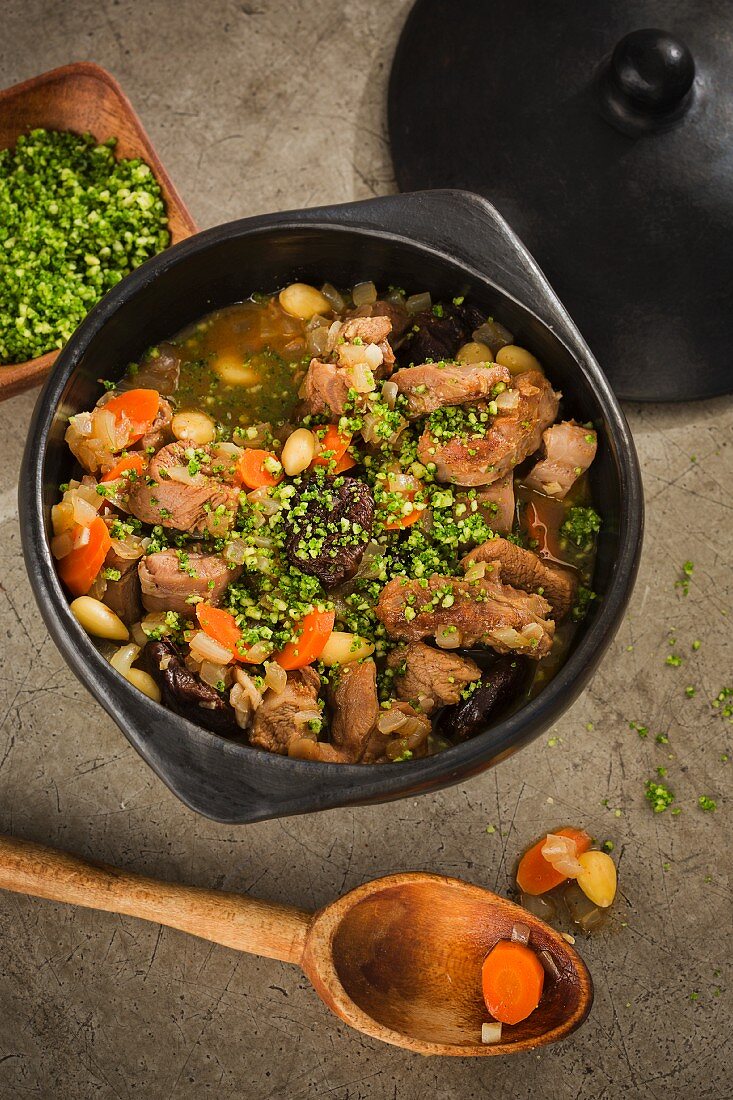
(398, 958)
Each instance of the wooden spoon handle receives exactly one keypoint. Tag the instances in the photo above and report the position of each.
(258, 927)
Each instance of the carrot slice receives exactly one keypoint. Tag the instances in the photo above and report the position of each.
(79, 568)
(535, 875)
(333, 445)
(512, 977)
(140, 407)
(344, 463)
(315, 630)
(133, 462)
(252, 470)
(396, 523)
(222, 627)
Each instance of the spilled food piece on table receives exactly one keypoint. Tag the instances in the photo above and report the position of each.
(340, 526)
(561, 869)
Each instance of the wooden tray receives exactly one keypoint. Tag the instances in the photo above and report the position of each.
(80, 97)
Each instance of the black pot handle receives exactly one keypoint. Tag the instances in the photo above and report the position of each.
(465, 227)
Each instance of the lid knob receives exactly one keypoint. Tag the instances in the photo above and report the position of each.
(652, 70)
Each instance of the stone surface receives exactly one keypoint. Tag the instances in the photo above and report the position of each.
(273, 104)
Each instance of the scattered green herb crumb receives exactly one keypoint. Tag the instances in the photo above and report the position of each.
(553, 741)
(643, 731)
(659, 797)
(490, 829)
(673, 660)
(707, 804)
(695, 646)
(690, 691)
(684, 582)
(723, 702)
(608, 846)
(695, 996)
(662, 739)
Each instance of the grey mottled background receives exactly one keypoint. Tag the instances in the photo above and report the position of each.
(280, 103)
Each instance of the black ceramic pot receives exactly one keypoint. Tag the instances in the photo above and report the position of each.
(448, 242)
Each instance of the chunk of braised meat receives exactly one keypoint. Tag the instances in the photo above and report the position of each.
(569, 449)
(368, 330)
(356, 718)
(283, 717)
(495, 503)
(355, 710)
(499, 685)
(481, 611)
(184, 692)
(439, 337)
(170, 495)
(122, 593)
(326, 386)
(159, 370)
(330, 524)
(524, 569)
(398, 316)
(430, 677)
(171, 577)
(324, 390)
(432, 385)
(514, 434)
(160, 430)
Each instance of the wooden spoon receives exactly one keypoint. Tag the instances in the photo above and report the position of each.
(398, 958)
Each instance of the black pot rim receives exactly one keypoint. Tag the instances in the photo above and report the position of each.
(366, 783)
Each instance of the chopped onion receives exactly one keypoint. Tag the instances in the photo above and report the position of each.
(213, 674)
(130, 547)
(84, 513)
(138, 635)
(418, 303)
(182, 476)
(402, 483)
(491, 1033)
(123, 658)
(333, 334)
(62, 544)
(105, 428)
(549, 963)
(317, 341)
(81, 537)
(226, 451)
(262, 541)
(507, 401)
(276, 678)
(364, 294)
(62, 517)
(476, 571)
(361, 378)
(448, 637)
(426, 703)
(494, 335)
(373, 356)
(304, 716)
(207, 649)
(265, 501)
(562, 853)
(391, 720)
(155, 622)
(520, 932)
(244, 697)
(513, 639)
(259, 652)
(332, 295)
(389, 393)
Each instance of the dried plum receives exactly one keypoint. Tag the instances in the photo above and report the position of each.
(498, 685)
(439, 337)
(186, 693)
(331, 522)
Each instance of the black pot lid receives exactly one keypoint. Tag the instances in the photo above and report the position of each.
(608, 147)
